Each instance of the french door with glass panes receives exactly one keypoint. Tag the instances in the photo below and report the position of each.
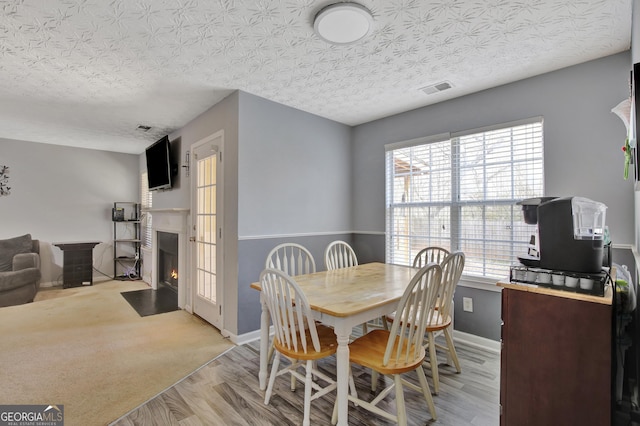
(206, 199)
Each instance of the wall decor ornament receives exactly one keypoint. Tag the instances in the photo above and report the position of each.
(4, 181)
(625, 111)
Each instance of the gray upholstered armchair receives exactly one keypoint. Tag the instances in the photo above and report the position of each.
(19, 270)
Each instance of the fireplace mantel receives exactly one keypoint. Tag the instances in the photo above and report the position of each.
(172, 220)
(167, 210)
(169, 220)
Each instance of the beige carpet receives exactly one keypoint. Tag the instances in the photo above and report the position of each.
(87, 349)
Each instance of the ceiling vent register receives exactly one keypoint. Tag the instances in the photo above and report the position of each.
(435, 88)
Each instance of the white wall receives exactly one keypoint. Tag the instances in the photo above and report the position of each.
(63, 194)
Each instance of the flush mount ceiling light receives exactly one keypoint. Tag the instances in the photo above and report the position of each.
(343, 23)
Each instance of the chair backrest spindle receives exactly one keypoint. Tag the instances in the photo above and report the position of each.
(292, 259)
(430, 255)
(452, 267)
(339, 254)
(290, 312)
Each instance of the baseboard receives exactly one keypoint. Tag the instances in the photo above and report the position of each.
(247, 337)
(100, 279)
(477, 341)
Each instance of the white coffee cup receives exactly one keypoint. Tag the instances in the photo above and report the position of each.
(558, 279)
(532, 276)
(586, 283)
(544, 277)
(570, 281)
(519, 274)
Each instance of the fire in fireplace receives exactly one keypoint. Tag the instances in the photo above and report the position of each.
(168, 259)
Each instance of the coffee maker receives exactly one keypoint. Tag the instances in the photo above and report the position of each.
(571, 231)
(530, 214)
(569, 236)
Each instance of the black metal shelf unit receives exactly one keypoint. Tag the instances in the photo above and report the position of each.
(126, 240)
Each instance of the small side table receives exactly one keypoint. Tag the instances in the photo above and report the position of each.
(77, 269)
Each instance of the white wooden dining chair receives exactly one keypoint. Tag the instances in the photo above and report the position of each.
(431, 254)
(339, 254)
(440, 319)
(297, 337)
(292, 259)
(400, 350)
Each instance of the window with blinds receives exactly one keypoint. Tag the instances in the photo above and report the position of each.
(146, 202)
(459, 192)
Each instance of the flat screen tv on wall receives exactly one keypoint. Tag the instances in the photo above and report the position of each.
(159, 165)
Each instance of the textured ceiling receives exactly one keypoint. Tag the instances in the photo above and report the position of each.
(88, 72)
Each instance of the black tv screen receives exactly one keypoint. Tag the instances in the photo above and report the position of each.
(159, 164)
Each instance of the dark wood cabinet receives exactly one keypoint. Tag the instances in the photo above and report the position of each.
(555, 359)
(77, 263)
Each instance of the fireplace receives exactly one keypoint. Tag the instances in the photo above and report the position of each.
(171, 224)
(168, 259)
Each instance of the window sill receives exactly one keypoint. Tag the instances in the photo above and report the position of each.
(480, 283)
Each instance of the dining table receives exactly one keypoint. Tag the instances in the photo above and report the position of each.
(343, 298)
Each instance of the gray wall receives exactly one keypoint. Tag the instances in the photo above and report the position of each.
(335, 174)
(61, 194)
(294, 171)
(253, 254)
(294, 186)
(583, 156)
(222, 116)
(635, 31)
(286, 177)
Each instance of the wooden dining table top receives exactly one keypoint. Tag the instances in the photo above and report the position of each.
(349, 291)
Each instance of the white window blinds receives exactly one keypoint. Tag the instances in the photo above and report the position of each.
(146, 202)
(459, 193)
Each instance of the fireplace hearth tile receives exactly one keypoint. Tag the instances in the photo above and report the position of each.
(151, 302)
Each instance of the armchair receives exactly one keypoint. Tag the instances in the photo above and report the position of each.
(19, 270)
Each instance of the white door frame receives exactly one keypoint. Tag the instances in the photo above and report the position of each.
(219, 224)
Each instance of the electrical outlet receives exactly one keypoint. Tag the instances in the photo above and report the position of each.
(467, 304)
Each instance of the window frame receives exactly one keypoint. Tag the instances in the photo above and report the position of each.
(456, 204)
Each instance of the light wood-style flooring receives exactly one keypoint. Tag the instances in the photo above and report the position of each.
(226, 392)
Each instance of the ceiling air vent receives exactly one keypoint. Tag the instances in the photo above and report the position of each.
(435, 88)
